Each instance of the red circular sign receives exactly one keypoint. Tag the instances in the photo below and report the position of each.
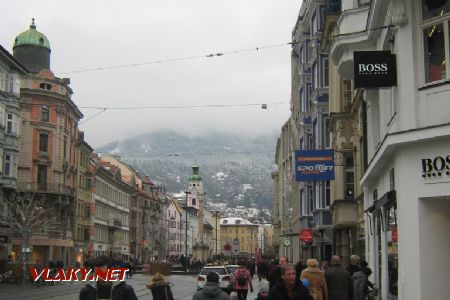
(306, 235)
(227, 247)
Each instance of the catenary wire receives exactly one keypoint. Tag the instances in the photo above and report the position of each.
(217, 54)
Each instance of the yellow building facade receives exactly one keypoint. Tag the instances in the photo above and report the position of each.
(240, 235)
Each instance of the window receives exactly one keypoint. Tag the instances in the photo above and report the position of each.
(327, 193)
(12, 124)
(3, 80)
(431, 9)
(349, 178)
(347, 97)
(325, 74)
(43, 142)
(14, 83)
(2, 115)
(314, 24)
(435, 32)
(326, 132)
(10, 164)
(42, 177)
(45, 113)
(314, 75)
(194, 202)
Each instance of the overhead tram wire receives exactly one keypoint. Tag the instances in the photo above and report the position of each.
(181, 106)
(161, 61)
(219, 54)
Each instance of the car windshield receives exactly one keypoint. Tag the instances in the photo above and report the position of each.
(220, 271)
(231, 269)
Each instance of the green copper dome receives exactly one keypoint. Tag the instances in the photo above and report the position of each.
(195, 176)
(32, 37)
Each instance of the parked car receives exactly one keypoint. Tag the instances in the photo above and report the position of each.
(225, 278)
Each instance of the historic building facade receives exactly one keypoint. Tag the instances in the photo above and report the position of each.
(10, 73)
(110, 209)
(348, 139)
(406, 184)
(305, 204)
(146, 212)
(47, 159)
(240, 236)
(83, 201)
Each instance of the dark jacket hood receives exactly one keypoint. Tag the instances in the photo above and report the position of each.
(211, 290)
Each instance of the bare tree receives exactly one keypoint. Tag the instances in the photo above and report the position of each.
(25, 215)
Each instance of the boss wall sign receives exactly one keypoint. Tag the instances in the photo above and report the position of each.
(436, 167)
(373, 69)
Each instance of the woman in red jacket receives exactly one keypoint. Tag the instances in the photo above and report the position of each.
(242, 282)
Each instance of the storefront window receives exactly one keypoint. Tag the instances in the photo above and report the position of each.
(392, 250)
(434, 8)
(434, 53)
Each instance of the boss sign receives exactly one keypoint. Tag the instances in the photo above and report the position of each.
(374, 69)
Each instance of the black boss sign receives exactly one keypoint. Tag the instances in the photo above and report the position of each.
(374, 69)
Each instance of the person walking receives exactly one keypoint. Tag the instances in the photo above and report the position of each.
(339, 282)
(361, 284)
(289, 287)
(160, 288)
(105, 289)
(354, 265)
(317, 284)
(275, 272)
(242, 282)
(211, 289)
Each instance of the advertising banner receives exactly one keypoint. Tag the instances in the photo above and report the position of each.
(313, 165)
(374, 69)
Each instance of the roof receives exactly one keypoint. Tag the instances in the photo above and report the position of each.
(32, 37)
(235, 221)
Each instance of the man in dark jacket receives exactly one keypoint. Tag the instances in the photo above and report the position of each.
(211, 289)
(104, 289)
(338, 280)
(275, 272)
(289, 288)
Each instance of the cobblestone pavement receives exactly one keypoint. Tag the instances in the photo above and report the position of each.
(184, 287)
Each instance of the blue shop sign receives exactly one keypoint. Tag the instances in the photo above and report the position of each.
(313, 165)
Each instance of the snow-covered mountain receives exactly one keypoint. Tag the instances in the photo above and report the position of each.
(235, 169)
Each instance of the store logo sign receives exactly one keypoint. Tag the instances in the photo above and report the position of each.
(313, 165)
(373, 69)
(436, 167)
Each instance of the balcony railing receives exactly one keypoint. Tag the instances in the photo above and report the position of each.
(45, 187)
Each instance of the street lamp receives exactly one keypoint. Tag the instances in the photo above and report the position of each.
(186, 212)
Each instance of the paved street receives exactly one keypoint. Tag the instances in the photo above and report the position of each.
(184, 287)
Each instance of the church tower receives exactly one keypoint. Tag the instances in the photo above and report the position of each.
(32, 49)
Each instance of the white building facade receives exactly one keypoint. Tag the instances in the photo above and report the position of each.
(407, 182)
(174, 229)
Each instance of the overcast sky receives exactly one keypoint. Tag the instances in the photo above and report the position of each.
(88, 34)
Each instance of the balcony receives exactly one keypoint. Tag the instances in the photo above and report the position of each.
(345, 213)
(306, 222)
(44, 187)
(322, 218)
(114, 223)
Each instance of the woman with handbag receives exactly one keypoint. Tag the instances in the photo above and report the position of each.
(160, 288)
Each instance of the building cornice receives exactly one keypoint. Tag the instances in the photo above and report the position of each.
(393, 141)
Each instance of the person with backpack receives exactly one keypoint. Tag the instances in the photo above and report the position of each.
(242, 282)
